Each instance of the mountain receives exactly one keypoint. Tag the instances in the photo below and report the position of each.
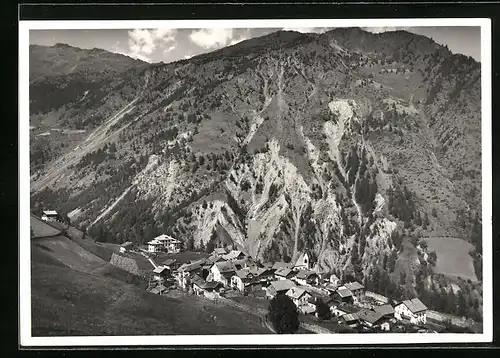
(351, 145)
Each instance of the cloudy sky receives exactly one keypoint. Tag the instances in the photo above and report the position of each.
(167, 45)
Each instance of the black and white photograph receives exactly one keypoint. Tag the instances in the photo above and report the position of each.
(237, 182)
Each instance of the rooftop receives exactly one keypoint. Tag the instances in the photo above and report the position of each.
(282, 271)
(415, 305)
(50, 212)
(282, 285)
(295, 292)
(282, 264)
(159, 269)
(164, 237)
(305, 274)
(384, 309)
(232, 255)
(349, 317)
(353, 286)
(219, 251)
(369, 316)
(343, 292)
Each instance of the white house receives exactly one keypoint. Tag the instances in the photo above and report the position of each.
(126, 246)
(413, 310)
(160, 273)
(299, 296)
(50, 215)
(164, 243)
(186, 271)
(334, 280)
(223, 272)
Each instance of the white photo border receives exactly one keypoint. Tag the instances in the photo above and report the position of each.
(25, 336)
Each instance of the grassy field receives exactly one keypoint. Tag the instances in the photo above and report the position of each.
(62, 249)
(453, 259)
(105, 300)
(41, 229)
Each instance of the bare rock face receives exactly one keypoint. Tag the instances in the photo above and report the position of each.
(329, 143)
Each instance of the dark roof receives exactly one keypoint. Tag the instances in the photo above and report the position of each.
(233, 255)
(348, 308)
(225, 266)
(284, 272)
(220, 251)
(282, 264)
(343, 292)
(331, 287)
(384, 309)
(350, 317)
(353, 286)
(192, 266)
(169, 262)
(305, 274)
(369, 316)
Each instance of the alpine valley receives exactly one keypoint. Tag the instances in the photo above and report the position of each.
(353, 146)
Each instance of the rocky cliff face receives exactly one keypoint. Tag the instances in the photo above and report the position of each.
(331, 143)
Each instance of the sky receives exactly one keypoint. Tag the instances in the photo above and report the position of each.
(168, 45)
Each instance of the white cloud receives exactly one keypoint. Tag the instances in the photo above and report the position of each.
(171, 48)
(377, 30)
(238, 40)
(306, 30)
(187, 57)
(210, 38)
(143, 42)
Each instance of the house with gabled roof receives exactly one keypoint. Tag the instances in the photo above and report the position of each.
(219, 251)
(298, 295)
(170, 263)
(160, 273)
(234, 255)
(224, 270)
(284, 273)
(186, 271)
(386, 310)
(357, 289)
(342, 294)
(51, 215)
(126, 246)
(204, 288)
(413, 310)
(334, 280)
(306, 277)
(279, 287)
(350, 319)
(164, 243)
(370, 318)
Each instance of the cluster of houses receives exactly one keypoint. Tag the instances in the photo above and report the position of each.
(233, 270)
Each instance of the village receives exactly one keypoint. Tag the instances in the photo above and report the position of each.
(227, 273)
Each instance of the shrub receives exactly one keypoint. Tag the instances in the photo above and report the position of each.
(283, 315)
(323, 310)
